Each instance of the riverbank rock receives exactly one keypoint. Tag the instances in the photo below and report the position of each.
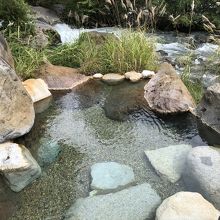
(113, 78)
(97, 76)
(111, 176)
(186, 206)
(59, 78)
(40, 95)
(98, 37)
(202, 173)
(44, 14)
(208, 112)
(17, 165)
(138, 202)
(16, 108)
(147, 74)
(169, 162)
(5, 52)
(166, 93)
(133, 76)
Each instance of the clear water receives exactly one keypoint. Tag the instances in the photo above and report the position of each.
(95, 123)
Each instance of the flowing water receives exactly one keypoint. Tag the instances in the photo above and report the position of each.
(172, 47)
(93, 124)
(97, 123)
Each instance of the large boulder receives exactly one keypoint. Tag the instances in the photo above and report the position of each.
(5, 52)
(138, 202)
(18, 166)
(16, 108)
(45, 15)
(202, 173)
(111, 176)
(169, 161)
(186, 206)
(208, 112)
(166, 93)
(59, 78)
(40, 95)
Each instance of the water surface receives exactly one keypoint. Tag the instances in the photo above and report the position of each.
(95, 123)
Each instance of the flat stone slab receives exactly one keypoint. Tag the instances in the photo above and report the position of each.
(111, 176)
(113, 78)
(59, 78)
(169, 161)
(39, 93)
(37, 89)
(136, 203)
(186, 206)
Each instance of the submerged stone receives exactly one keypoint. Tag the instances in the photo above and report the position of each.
(111, 176)
(136, 203)
(186, 206)
(48, 151)
(169, 162)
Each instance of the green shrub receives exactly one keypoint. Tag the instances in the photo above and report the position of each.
(15, 13)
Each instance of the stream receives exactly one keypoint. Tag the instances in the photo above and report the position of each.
(97, 123)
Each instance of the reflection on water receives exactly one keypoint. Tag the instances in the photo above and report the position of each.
(79, 133)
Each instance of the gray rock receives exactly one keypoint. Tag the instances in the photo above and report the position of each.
(16, 108)
(113, 78)
(111, 176)
(186, 206)
(136, 203)
(45, 15)
(21, 168)
(169, 161)
(208, 112)
(166, 93)
(202, 173)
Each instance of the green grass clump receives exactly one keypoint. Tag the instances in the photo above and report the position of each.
(195, 88)
(108, 54)
(63, 55)
(132, 51)
(27, 59)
